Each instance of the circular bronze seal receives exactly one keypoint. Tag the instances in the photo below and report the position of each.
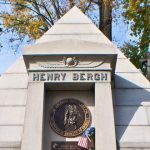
(69, 117)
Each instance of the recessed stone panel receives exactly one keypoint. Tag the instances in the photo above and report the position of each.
(148, 113)
(12, 115)
(133, 136)
(131, 80)
(17, 67)
(84, 37)
(130, 115)
(10, 136)
(124, 65)
(70, 29)
(134, 97)
(13, 81)
(13, 97)
(9, 148)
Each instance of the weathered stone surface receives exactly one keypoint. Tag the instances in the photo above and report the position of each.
(13, 81)
(63, 47)
(148, 113)
(134, 97)
(9, 148)
(130, 115)
(70, 29)
(17, 67)
(105, 135)
(124, 65)
(134, 148)
(131, 80)
(12, 115)
(84, 37)
(10, 136)
(33, 127)
(120, 54)
(78, 17)
(13, 97)
(74, 19)
(133, 136)
(51, 63)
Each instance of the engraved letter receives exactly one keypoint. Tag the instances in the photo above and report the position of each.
(42, 77)
(63, 76)
(57, 76)
(49, 76)
(97, 76)
(104, 76)
(35, 77)
(82, 76)
(89, 76)
(75, 76)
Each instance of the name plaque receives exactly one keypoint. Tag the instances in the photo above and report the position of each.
(84, 76)
(65, 146)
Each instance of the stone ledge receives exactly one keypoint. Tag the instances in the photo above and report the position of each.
(10, 145)
(12, 115)
(16, 97)
(135, 145)
(14, 81)
(130, 115)
(131, 80)
(10, 148)
(133, 136)
(131, 97)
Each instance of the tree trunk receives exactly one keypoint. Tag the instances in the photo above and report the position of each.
(105, 24)
(71, 3)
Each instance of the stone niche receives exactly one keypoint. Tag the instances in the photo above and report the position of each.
(54, 93)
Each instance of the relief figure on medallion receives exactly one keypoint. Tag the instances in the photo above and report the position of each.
(71, 117)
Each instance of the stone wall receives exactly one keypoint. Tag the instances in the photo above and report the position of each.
(131, 97)
(13, 93)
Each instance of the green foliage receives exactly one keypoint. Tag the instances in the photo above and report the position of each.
(35, 17)
(32, 18)
(134, 53)
(138, 13)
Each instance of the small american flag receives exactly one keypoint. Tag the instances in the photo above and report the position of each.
(83, 141)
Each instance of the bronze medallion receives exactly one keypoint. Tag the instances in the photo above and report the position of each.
(69, 118)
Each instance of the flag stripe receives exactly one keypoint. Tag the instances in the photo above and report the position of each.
(83, 142)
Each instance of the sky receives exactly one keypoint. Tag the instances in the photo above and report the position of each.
(8, 56)
(120, 33)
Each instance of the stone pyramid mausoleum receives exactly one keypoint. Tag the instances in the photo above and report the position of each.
(130, 89)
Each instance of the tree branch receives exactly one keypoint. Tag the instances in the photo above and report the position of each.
(86, 8)
(56, 10)
(45, 19)
(48, 13)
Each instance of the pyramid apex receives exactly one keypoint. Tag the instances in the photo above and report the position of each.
(75, 7)
(74, 25)
(74, 15)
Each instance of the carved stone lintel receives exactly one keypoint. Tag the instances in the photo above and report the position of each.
(71, 62)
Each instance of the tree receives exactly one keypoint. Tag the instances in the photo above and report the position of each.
(138, 13)
(32, 18)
